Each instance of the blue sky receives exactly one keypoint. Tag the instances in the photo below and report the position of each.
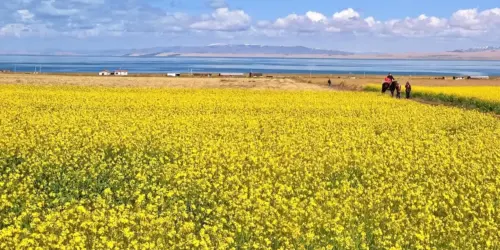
(356, 25)
(388, 9)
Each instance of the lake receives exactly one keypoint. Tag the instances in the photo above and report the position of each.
(73, 64)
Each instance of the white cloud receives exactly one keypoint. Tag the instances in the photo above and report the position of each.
(217, 4)
(224, 19)
(310, 22)
(371, 22)
(463, 23)
(473, 20)
(316, 22)
(83, 18)
(419, 26)
(14, 29)
(347, 14)
(20, 29)
(47, 7)
(467, 19)
(316, 16)
(25, 15)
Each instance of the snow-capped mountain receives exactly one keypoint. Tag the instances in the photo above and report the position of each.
(478, 49)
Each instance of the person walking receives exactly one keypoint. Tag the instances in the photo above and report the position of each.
(408, 90)
(329, 83)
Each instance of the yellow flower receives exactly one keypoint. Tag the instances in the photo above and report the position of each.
(140, 168)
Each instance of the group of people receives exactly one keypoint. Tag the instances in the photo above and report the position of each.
(391, 84)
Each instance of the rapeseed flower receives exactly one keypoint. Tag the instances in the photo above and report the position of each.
(120, 168)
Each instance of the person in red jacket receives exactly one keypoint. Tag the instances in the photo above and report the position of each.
(387, 82)
(390, 77)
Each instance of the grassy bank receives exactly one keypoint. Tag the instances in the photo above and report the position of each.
(451, 99)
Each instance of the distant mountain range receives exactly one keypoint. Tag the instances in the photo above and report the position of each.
(231, 49)
(478, 49)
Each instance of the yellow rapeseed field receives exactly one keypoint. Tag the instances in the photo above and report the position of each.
(103, 168)
(489, 93)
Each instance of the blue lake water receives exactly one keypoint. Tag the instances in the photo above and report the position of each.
(243, 65)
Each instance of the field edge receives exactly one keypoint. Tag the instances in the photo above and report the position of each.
(451, 100)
